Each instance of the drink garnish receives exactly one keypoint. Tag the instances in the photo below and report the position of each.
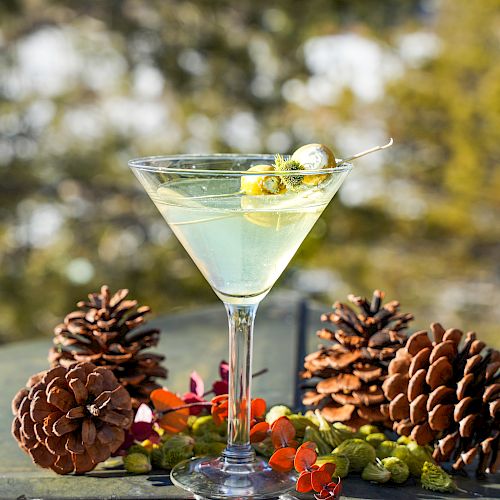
(261, 184)
(290, 179)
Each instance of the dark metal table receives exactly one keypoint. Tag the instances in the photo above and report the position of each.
(196, 340)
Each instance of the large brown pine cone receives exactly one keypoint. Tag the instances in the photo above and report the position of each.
(104, 331)
(448, 395)
(71, 419)
(348, 375)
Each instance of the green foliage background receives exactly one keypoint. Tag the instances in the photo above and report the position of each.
(132, 78)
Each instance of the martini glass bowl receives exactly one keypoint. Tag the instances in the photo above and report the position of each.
(241, 243)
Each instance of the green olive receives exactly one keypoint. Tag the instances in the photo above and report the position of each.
(315, 157)
(261, 184)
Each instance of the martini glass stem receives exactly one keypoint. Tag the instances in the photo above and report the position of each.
(241, 319)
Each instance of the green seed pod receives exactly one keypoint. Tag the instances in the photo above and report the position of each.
(385, 449)
(171, 457)
(137, 463)
(341, 463)
(401, 452)
(398, 469)
(300, 423)
(203, 448)
(375, 439)
(436, 479)
(328, 433)
(276, 412)
(264, 448)
(375, 471)
(417, 458)
(205, 424)
(404, 440)
(346, 432)
(312, 434)
(358, 451)
(368, 429)
(156, 457)
(137, 448)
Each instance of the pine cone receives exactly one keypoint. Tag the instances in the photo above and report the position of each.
(354, 368)
(71, 419)
(104, 331)
(449, 396)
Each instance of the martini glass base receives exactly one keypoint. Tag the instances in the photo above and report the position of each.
(216, 477)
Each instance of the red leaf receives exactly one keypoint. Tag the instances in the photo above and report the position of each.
(172, 421)
(258, 432)
(220, 387)
(224, 371)
(282, 432)
(196, 384)
(304, 483)
(282, 460)
(304, 459)
(258, 408)
(191, 397)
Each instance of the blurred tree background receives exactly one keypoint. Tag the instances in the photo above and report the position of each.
(84, 86)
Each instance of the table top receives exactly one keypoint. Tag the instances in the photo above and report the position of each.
(194, 340)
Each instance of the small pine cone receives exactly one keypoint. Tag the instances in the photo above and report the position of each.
(104, 331)
(348, 375)
(448, 395)
(71, 419)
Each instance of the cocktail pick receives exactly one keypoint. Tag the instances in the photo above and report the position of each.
(367, 152)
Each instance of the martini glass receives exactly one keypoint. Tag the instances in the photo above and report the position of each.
(241, 244)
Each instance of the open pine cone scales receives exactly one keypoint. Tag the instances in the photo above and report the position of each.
(104, 331)
(448, 395)
(71, 419)
(353, 368)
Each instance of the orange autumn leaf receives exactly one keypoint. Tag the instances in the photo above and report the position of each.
(173, 420)
(282, 459)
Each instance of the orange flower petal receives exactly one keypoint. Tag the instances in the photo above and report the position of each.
(304, 483)
(319, 479)
(258, 408)
(304, 459)
(282, 460)
(258, 432)
(219, 399)
(329, 467)
(282, 432)
(309, 444)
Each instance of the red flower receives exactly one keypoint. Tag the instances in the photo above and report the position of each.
(304, 463)
(330, 491)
